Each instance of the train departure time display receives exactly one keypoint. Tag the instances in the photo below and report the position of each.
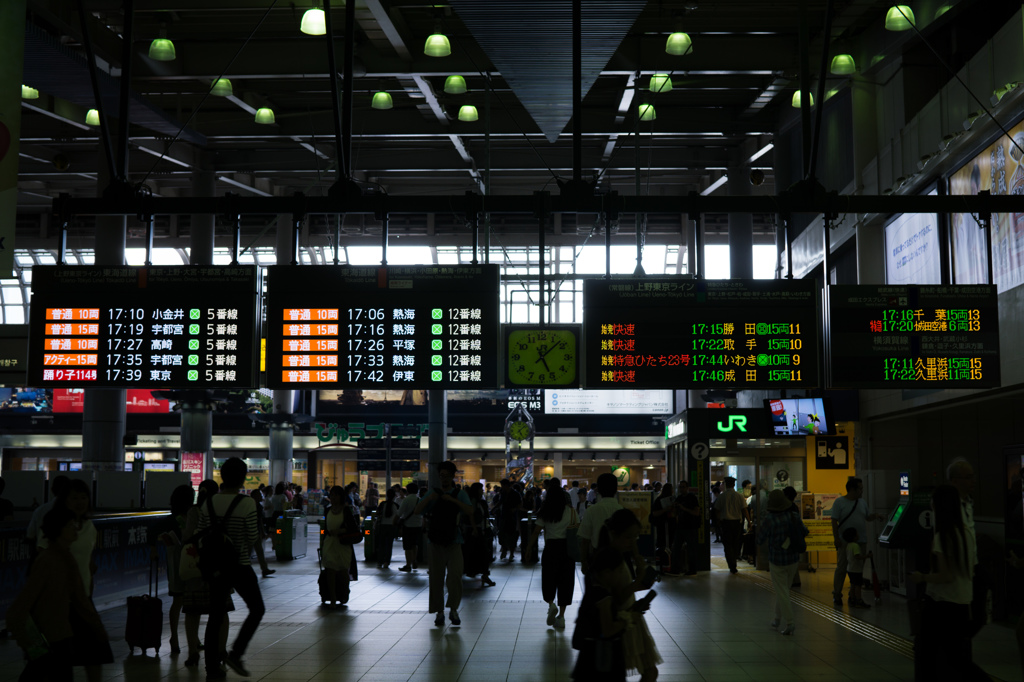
(660, 332)
(150, 327)
(383, 327)
(913, 336)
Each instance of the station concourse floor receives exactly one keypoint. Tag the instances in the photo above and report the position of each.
(712, 627)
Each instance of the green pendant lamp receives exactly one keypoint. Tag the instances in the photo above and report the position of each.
(314, 22)
(468, 112)
(843, 65)
(92, 117)
(162, 50)
(222, 88)
(437, 45)
(265, 116)
(29, 93)
(797, 101)
(382, 100)
(455, 85)
(661, 82)
(647, 112)
(899, 18)
(679, 43)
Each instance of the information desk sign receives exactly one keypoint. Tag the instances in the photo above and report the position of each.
(662, 332)
(393, 327)
(151, 327)
(914, 336)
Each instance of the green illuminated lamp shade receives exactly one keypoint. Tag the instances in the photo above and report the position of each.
(647, 112)
(843, 65)
(92, 117)
(265, 116)
(831, 93)
(468, 113)
(679, 44)
(455, 85)
(382, 100)
(899, 18)
(161, 50)
(29, 93)
(798, 102)
(314, 22)
(437, 45)
(661, 82)
(221, 87)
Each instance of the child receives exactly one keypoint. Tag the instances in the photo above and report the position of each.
(855, 567)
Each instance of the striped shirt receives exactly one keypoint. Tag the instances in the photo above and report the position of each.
(241, 525)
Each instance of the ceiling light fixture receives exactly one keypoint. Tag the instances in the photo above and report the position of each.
(455, 85)
(797, 101)
(971, 118)
(314, 22)
(468, 113)
(221, 87)
(382, 100)
(661, 82)
(437, 44)
(162, 50)
(899, 18)
(647, 112)
(92, 117)
(265, 116)
(843, 65)
(29, 93)
(679, 44)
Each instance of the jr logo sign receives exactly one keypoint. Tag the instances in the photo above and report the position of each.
(736, 421)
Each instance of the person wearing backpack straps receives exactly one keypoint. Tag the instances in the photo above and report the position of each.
(235, 516)
(848, 511)
(782, 531)
(442, 506)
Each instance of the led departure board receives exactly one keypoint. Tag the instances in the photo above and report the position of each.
(389, 327)
(150, 327)
(660, 332)
(913, 336)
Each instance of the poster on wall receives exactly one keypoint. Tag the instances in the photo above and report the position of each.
(194, 464)
(1000, 170)
(832, 452)
(638, 502)
(912, 249)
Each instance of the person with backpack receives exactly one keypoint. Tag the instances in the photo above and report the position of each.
(229, 530)
(783, 533)
(442, 507)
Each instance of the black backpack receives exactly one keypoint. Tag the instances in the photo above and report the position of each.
(444, 517)
(218, 556)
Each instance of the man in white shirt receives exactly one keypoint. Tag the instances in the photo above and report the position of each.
(589, 534)
(848, 511)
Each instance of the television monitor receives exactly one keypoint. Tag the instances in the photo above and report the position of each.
(800, 416)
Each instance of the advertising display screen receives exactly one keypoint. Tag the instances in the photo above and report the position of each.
(152, 327)
(800, 416)
(382, 327)
(588, 401)
(675, 332)
(914, 336)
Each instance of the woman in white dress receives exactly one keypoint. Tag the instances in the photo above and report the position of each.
(340, 524)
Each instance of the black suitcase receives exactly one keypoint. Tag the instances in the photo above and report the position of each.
(341, 587)
(144, 626)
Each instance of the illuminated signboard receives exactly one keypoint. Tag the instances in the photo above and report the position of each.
(156, 327)
(382, 327)
(914, 336)
(662, 332)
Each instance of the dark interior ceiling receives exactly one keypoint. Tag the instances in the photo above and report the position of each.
(730, 95)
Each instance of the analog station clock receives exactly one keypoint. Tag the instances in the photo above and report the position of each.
(542, 356)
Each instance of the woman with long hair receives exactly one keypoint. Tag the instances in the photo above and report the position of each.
(479, 539)
(942, 648)
(196, 595)
(557, 568)
(169, 532)
(337, 554)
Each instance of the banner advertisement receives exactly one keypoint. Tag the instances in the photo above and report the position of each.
(1000, 170)
(193, 462)
(638, 502)
(137, 401)
(912, 249)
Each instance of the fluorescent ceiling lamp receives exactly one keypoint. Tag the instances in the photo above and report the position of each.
(843, 65)
(468, 113)
(647, 112)
(661, 82)
(761, 152)
(382, 100)
(455, 85)
(265, 116)
(161, 50)
(92, 117)
(715, 185)
(242, 185)
(679, 44)
(29, 93)
(899, 18)
(222, 88)
(314, 22)
(437, 45)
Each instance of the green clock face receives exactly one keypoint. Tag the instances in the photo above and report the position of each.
(542, 357)
(520, 430)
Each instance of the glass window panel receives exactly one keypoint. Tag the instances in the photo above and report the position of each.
(364, 255)
(590, 260)
(87, 257)
(716, 261)
(14, 314)
(565, 312)
(654, 259)
(12, 295)
(45, 258)
(24, 260)
(764, 261)
(222, 258)
(409, 255)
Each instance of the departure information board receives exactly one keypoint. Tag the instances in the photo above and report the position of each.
(389, 327)
(914, 336)
(151, 327)
(660, 332)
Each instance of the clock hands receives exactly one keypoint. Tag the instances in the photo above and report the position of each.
(540, 358)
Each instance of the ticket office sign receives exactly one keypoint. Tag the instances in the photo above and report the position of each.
(390, 327)
(151, 327)
(914, 336)
(658, 332)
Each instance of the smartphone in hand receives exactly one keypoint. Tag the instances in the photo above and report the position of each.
(647, 599)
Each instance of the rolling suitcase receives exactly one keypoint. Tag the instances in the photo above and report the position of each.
(145, 623)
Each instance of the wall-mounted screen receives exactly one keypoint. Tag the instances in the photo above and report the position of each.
(800, 416)
(912, 254)
(589, 401)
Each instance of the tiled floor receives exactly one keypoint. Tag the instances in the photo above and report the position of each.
(712, 628)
